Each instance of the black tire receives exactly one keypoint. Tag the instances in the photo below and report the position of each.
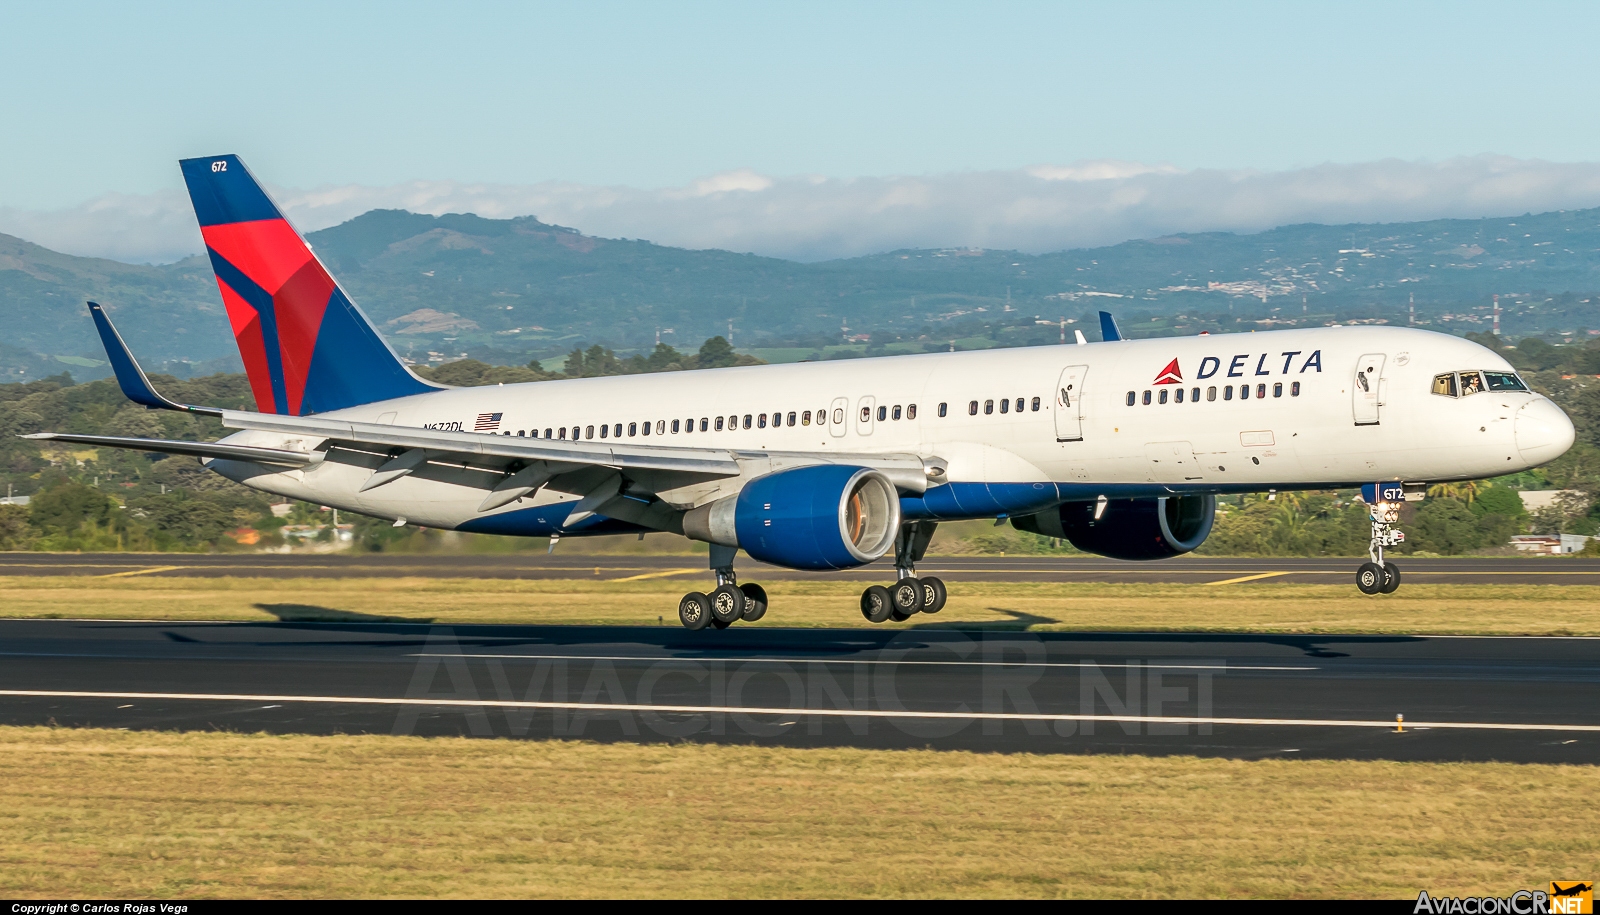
(727, 604)
(719, 624)
(1369, 578)
(876, 605)
(1391, 577)
(694, 611)
(907, 596)
(933, 595)
(755, 602)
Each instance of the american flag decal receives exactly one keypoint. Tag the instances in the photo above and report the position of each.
(487, 422)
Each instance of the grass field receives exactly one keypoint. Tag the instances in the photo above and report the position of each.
(103, 814)
(1257, 607)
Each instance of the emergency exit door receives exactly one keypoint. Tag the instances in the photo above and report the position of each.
(1367, 393)
(1069, 404)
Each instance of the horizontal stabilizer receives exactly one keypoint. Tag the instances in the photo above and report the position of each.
(197, 449)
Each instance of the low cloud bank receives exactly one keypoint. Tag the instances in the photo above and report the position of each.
(1037, 209)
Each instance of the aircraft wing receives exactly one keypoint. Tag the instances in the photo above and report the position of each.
(197, 449)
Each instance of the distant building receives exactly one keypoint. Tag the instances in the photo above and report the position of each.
(1533, 500)
(15, 500)
(1550, 544)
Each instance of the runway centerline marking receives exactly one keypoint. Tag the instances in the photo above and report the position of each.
(632, 657)
(148, 571)
(653, 574)
(614, 707)
(1257, 577)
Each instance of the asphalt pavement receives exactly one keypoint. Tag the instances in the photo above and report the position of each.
(1230, 695)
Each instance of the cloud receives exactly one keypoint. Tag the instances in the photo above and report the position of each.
(1040, 208)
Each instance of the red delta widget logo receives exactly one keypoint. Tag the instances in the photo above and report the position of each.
(1170, 375)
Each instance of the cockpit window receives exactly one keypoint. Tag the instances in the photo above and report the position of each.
(1504, 381)
(1445, 384)
(1471, 383)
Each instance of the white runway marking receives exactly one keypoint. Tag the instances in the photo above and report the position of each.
(612, 708)
(629, 657)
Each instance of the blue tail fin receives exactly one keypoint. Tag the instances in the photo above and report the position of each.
(1108, 327)
(306, 347)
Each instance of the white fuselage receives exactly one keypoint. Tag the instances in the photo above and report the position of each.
(1327, 431)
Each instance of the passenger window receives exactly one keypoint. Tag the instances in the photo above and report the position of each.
(944, 410)
(1133, 396)
(791, 417)
(972, 408)
(1261, 390)
(588, 433)
(1035, 405)
(1471, 384)
(661, 427)
(1504, 381)
(522, 433)
(1294, 389)
(761, 420)
(1177, 395)
(838, 415)
(1005, 406)
(988, 407)
(688, 424)
(547, 433)
(675, 427)
(719, 424)
(866, 414)
(1163, 396)
(747, 420)
(1445, 385)
(563, 433)
(883, 413)
(1019, 404)
(911, 412)
(896, 412)
(1277, 389)
(603, 430)
(633, 429)
(705, 424)
(1244, 392)
(1194, 395)
(1227, 392)
(805, 418)
(1211, 392)
(1146, 398)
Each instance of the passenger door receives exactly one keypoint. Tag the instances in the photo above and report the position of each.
(1069, 404)
(1367, 389)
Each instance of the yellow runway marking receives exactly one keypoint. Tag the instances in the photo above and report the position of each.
(140, 572)
(656, 575)
(1234, 581)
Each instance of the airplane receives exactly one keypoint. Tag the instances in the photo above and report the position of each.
(1120, 447)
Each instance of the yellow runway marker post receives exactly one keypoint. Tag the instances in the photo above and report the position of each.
(140, 572)
(1234, 581)
(656, 575)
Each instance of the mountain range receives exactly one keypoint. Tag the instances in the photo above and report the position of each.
(507, 290)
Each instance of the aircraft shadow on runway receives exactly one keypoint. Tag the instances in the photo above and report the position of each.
(311, 613)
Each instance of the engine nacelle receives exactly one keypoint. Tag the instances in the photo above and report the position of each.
(1129, 528)
(823, 516)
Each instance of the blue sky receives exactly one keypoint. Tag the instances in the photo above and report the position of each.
(103, 97)
(608, 116)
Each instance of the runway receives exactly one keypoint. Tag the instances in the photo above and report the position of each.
(1243, 696)
(569, 562)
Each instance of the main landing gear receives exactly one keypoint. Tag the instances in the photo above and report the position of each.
(909, 595)
(729, 603)
(1378, 576)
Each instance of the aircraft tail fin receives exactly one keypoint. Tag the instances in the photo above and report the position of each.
(1108, 327)
(306, 347)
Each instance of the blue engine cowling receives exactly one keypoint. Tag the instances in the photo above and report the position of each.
(1129, 528)
(822, 516)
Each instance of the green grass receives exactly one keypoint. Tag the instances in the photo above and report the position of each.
(1247, 607)
(103, 814)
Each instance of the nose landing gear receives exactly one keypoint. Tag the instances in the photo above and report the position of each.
(1379, 576)
(909, 595)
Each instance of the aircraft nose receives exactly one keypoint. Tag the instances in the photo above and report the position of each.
(1543, 432)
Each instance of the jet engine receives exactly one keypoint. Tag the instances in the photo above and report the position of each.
(822, 516)
(1128, 528)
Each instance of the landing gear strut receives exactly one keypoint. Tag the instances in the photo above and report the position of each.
(728, 603)
(1378, 576)
(909, 595)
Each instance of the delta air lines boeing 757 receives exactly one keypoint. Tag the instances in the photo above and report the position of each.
(1120, 447)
